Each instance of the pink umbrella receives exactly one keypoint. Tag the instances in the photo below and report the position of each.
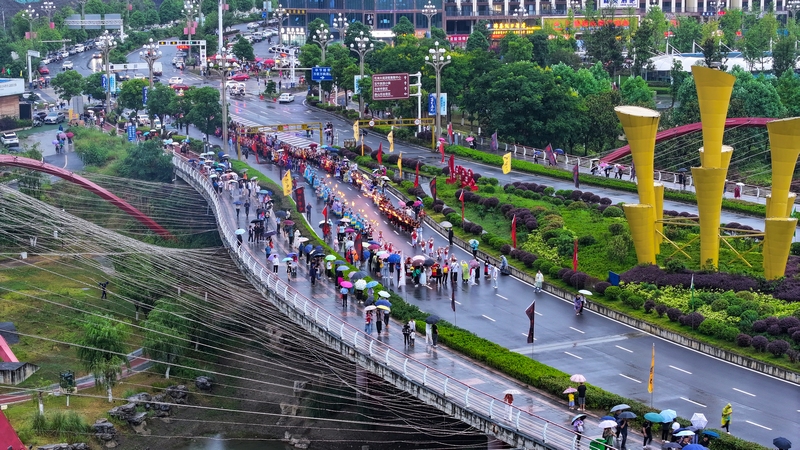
(375, 247)
(469, 139)
(442, 140)
(346, 284)
(349, 230)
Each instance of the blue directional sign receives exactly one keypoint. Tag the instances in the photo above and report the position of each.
(263, 14)
(103, 81)
(431, 104)
(321, 74)
(144, 95)
(131, 133)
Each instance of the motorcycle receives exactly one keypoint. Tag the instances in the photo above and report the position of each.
(37, 123)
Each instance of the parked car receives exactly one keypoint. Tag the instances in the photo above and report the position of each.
(67, 65)
(40, 115)
(13, 148)
(252, 26)
(64, 54)
(9, 137)
(138, 76)
(286, 98)
(180, 65)
(240, 77)
(143, 120)
(80, 48)
(44, 70)
(55, 117)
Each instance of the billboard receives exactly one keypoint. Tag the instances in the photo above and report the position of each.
(390, 86)
(11, 86)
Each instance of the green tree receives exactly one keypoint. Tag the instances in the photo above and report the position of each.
(634, 91)
(166, 332)
(660, 25)
(151, 17)
(519, 50)
(784, 55)
(160, 101)
(643, 45)
(789, 92)
(687, 31)
(603, 125)
(93, 86)
(730, 23)
(158, 167)
(404, 27)
(757, 95)
(477, 42)
(243, 50)
(355, 30)
(541, 47)
(757, 40)
(713, 56)
(170, 10)
(677, 75)
(101, 349)
(605, 46)
(68, 84)
(180, 106)
(438, 34)
(130, 96)
(206, 111)
(136, 19)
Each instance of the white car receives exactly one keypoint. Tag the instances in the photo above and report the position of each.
(9, 138)
(67, 65)
(138, 76)
(252, 26)
(286, 98)
(175, 80)
(65, 54)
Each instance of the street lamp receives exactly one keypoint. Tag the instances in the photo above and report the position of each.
(280, 14)
(150, 53)
(223, 68)
(190, 8)
(49, 8)
(792, 6)
(31, 16)
(429, 10)
(362, 46)
(437, 59)
(340, 23)
(653, 3)
(107, 42)
(323, 37)
(521, 15)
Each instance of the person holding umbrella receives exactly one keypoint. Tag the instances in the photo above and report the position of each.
(577, 426)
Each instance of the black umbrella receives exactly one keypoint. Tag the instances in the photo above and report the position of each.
(410, 203)
(256, 220)
(357, 276)
(281, 214)
(270, 233)
(782, 443)
(432, 319)
(683, 170)
(368, 302)
(428, 262)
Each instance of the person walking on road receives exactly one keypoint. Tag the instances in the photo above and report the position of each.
(368, 322)
(308, 212)
(450, 236)
(726, 417)
(428, 331)
(622, 429)
(379, 320)
(247, 209)
(539, 279)
(581, 397)
(103, 287)
(435, 335)
(406, 335)
(495, 275)
(577, 427)
(647, 432)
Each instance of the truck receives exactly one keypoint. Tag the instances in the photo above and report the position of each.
(158, 70)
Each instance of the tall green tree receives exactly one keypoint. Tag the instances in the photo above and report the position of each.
(170, 10)
(130, 96)
(784, 55)
(757, 40)
(206, 111)
(687, 31)
(101, 349)
(355, 30)
(166, 333)
(605, 46)
(68, 84)
(519, 50)
(93, 86)
(788, 88)
(404, 27)
(634, 91)
(643, 45)
(160, 101)
(243, 50)
(158, 169)
(603, 126)
(477, 42)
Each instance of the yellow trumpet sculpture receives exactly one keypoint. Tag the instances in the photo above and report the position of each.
(778, 234)
(784, 142)
(641, 126)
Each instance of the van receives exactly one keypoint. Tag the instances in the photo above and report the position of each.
(79, 48)
(280, 49)
(143, 120)
(158, 69)
(157, 123)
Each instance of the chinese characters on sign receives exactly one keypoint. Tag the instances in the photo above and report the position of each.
(321, 74)
(390, 86)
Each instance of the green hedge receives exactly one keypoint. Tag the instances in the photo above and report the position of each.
(754, 209)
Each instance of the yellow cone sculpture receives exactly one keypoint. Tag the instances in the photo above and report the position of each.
(641, 126)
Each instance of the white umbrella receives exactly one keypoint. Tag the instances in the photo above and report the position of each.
(512, 392)
(370, 308)
(607, 424)
(585, 292)
(384, 294)
(577, 378)
(240, 231)
(685, 433)
(418, 258)
(446, 224)
(699, 420)
(303, 239)
(361, 284)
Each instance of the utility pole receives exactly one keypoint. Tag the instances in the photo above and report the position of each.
(190, 8)
(224, 100)
(437, 60)
(150, 54)
(108, 43)
(362, 46)
(429, 10)
(222, 8)
(31, 16)
(418, 85)
(280, 14)
(323, 37)
(49, 8)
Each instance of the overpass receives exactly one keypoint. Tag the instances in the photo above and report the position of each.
(513, 425)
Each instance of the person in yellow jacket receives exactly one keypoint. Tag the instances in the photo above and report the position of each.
(726, 417)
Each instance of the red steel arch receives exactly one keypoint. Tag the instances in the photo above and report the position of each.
(686, 129)
(28, 163)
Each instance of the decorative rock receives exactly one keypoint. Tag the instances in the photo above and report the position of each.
(142, 397)
(302, 443)
(105, 432)
(137, 418)
(178, 394)
(299, 387)
(203, 383)
(124, 412)
(287, 436)
(288, 409)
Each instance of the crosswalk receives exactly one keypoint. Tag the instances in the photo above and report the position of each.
(295, 140)
(246, 122)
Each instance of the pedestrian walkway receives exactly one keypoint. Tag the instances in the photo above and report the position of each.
(241, 120)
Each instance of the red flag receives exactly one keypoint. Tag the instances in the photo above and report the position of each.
(461, 197)
(514, 231)
(452, 167)
(416, 177)
(441, 149)
(575, 257)
(380, 153)
(531, 313)
(450, 132)
(433, 188)
(325, 213)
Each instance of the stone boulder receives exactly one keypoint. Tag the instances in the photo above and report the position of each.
(161, 405)
(105, 432)
(124, 412)
(203, 383)
(142, 398)
(178, 394)
(138, 424)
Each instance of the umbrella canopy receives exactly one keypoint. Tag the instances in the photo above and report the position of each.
(281, 214)
(383, 255)
(668, 415)
(344, 290)
(579, 416)
(654, 417)
(683, 170)
(384, 294)
(357, 275)
(385, 308)
(287, 259)
(395, 258)
(308, 248)
(270, 233)
(417, 262)
(330, 258)
(474, 263)
(383, 302)
(302, 239)
(339, 262)
(372, 284)
(512, 392)
(589, 294)
(620, 407)
(570, 390)
(345, 220)
(469, 139)
(342, 268)
(695, 447)
(432, 319)
(346, 284)
(240, 231)
(370, 308)
(714, 434)
(607, 424)
(256, 220)
(608, 418)
(473, 241)
(288, 223)
(577, 378)
(368, 302)
(428, 262)
(699, 420)
(291, 254)
(782, 443)
(324, 222)
(418, 258)
(684, 433)
(446, 224)
(627, 415)
(374, 246)
(670, 445)
(361, 285)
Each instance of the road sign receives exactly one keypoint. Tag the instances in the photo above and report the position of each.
(144, 95)
(321, 74)
(390, 86)
(442, 104)
(263, 14)
(128, 66)
(131, 133)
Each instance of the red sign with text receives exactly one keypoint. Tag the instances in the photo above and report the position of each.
(390, 86)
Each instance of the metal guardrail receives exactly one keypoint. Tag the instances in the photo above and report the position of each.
(532, 429)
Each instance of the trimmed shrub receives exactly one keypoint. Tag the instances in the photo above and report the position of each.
(613, 211)
(612, 292)
(448, 210)
(616, 229)
(719, 304)
(505, 249)
(778, 347)
(601, 287)
(673, 314)
(578, 280)
(554, 271)
(692, 319)
(586, 240)
(649, 305)
(787, 323)
(529, 259)
(577, 205)
(634, 301)
(566, 274)
(796, 337)
(760, 326)
(743, 340)
(661, 309)
(438, 208)
(759, 343)
(548, 191)
(774, 329)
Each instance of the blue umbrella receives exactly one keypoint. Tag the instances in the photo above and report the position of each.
(308, 248)
(713, 434)
(654, 417)
(394, 258)
(372, 284)
(263, 192)
(291, 255)
(220, 154)
(559, 151)
(607, 418)
(319, 249)
(339, 262)
(374, 243)
(342, 268)
(237, 202)
(366, 254)
(383, 302)
(695, 447)
(344, 290)
(219, 169)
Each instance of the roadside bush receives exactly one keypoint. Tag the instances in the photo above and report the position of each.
(673, 314)
(719, 305)
(616, 229)
(613, 211)
(743, 340)
(448, 210)
(548, 191)
(796, 337)
(778, 347)
(710, 327)
(787, 323)
(661, 309)
(612, 292)
(648, 306)
(505, 249)
(760, 326)
(634, 301)
(586, 240)
(578, 280)
(759, 343)
(774, 329)
(554, 272)
(692, 319)
(577, 205)
(601, 287)
(618, 247)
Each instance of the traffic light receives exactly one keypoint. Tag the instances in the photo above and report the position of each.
(67, 380)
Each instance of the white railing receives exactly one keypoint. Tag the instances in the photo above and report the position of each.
(528, 426)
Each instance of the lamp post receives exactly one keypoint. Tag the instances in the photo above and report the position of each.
(48, 8)
(340, 24)
(323, 37)
(150, 53)
(792, 6)
(223, 67)
(31, 16)
(653, 3)
(362, 46)
(190, 8)
(280, 14)
(437, 59)
(108, 43)
(429, 10)
(521, 15)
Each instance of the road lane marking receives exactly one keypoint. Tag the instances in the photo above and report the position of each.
(537, 313)
(632, 379)
(691, 401)
(574, 356)
(501, 296)
(387, 223)
(623, 348)
(760, 426)
(457, 302)
(395, 232)
(680, 370)
(409, 243)
(579, 331)
(484, 315)
(744, 392)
